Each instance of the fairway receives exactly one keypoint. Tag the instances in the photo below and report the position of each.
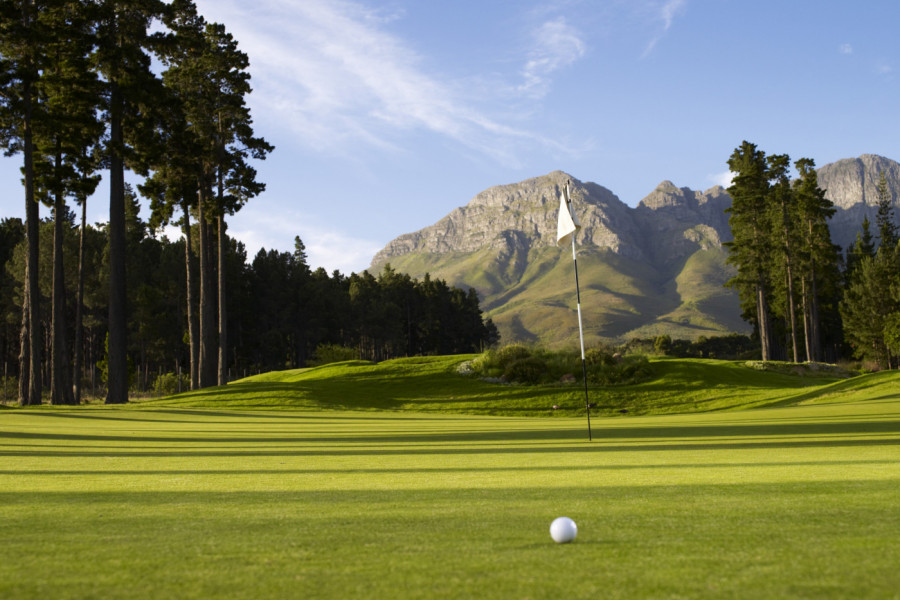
(795, 502)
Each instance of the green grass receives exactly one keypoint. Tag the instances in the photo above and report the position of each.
(431, 384)
(358, 480)
(796, 502)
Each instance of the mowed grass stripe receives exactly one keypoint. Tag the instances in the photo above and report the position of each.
(788, 502)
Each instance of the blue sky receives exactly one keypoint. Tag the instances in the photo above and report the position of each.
(386, 115)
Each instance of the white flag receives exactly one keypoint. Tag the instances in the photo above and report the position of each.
(568, 222)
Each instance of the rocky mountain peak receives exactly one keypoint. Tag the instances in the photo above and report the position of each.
(529, 209)
(855, 180)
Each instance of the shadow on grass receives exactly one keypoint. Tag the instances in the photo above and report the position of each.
(879, 501)
(755, 433)
(439, 448)
(414, 471)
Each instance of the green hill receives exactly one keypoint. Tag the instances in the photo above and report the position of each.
(432, 384)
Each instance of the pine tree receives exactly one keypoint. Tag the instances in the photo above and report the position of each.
(208, 74)
(783, 219)
(863, 247)
(132, 91)
(868, 308)
(750, 248)
(884, 218)
(820, 276)
(22, 60)
(64, 141)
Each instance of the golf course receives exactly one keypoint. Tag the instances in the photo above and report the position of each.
(407, 479)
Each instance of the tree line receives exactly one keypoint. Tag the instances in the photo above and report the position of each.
(281, 312)
(92, 86)
(808, 299)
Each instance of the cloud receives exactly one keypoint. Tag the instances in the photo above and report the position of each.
(556, 45)
(664, 12)
(723, 179)
(326, 247)
(845, 49)
(333, 74)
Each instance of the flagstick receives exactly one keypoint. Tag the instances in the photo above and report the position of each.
(587, 404)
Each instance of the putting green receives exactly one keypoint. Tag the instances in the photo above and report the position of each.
(794, 502)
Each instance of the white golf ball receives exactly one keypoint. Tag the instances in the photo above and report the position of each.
(563, 529)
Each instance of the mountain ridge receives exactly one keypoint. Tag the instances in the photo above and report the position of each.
(658, 267)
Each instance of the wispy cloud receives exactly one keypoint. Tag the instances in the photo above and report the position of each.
(664, 13)
(556, 45)
(845, 49)
(325, 246)
(332, 72)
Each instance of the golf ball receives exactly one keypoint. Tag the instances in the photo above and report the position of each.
(563, 529)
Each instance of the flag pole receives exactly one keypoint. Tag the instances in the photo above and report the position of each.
(587, 404)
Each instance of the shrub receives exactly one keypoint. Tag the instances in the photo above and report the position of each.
(512, 353)
(630, 370)
(167, 384)
(599, 356)
(331, 353)
(518, 363)
(530, 369)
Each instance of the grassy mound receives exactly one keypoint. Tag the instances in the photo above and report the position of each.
(432, 384)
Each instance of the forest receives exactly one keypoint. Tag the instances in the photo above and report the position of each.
(281, 313)
(90, 89)
(807, 299)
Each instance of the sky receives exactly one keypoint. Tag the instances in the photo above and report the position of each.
(388, 114)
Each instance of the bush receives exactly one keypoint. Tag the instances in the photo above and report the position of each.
(10, 388)
(507, 355)
(518, 363)
(331, 353)
(599, 356)
(167, 384)
(627, 371)
(528, 370)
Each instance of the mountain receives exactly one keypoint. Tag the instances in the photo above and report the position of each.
(851, 184)
(657, 268)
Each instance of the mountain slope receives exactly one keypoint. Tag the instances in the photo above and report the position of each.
(658, 268)
(640, 269)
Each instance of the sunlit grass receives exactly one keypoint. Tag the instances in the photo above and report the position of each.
(195, 503)
(432, 384)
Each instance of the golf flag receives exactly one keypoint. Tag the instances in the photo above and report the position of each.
(565, 232)
(568, 222)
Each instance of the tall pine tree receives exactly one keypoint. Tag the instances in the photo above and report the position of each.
(132, 90)
(750, 249)
(22, 59)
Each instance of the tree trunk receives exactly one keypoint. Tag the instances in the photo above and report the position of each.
(117, 362)
(792, 311)
(60, 382)
(815, 337)
(765, 326)
(79, 335)
(193, 324)
(207, 306)
(223, 346)
(25, 355)
(30, 355)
